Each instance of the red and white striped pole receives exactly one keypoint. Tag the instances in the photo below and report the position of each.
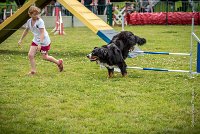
(56, 29)
(57, 18)
(61, 27)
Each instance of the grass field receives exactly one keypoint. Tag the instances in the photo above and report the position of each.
(83, 100)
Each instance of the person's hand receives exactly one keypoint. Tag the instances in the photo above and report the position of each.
(93, 4)
(19, 43)
(39, 47)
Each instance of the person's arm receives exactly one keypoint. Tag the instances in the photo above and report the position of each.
(23, 35)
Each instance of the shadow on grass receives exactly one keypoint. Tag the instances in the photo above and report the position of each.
(67, 53)
(13, 52)
(103, 76)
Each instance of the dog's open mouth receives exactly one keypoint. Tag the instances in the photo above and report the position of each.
(131, 49)
(92, 58)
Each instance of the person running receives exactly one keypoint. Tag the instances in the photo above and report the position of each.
(41, 41)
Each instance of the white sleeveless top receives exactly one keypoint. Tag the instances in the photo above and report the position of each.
(36, 32)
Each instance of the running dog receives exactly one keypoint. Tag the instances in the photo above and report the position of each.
(115, 53)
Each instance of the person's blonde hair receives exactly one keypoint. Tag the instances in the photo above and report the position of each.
(33, 9)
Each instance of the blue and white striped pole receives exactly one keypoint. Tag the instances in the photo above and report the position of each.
(162, 53)
(158, 69)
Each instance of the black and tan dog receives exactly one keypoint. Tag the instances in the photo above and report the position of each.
(115, 53)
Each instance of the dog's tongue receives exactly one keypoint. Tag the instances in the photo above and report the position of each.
(93, 59)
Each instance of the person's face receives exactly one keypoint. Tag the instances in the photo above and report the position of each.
(34, 15)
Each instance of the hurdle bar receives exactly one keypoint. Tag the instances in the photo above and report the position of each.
(158, 69)
(163, 53)
(168, 70)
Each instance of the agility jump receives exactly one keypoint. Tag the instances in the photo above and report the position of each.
(193, 35)
(59, 28)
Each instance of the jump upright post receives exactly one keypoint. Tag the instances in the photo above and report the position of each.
(190, 71)
(198, 57)
(193, 35)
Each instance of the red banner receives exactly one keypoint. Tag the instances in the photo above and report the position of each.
(162, 18)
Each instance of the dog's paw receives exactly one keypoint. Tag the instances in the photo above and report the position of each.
(124, 75)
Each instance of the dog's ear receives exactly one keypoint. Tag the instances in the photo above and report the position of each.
(102, 53)
(140, 41)
(95, 47)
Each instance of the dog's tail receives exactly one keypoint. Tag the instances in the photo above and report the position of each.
(140, 41)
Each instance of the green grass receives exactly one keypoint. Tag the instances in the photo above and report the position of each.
(83, 100)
